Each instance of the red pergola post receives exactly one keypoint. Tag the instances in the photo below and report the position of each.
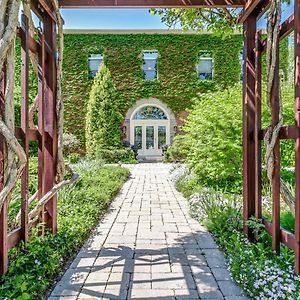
(41, 118)
(50, 150)
(257, 128)
(249, 114)
(297, 141)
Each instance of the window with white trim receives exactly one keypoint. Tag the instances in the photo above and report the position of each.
(205, 67)
(95, 61)
(150, 64)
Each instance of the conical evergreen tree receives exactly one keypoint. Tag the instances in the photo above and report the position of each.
(103, 118)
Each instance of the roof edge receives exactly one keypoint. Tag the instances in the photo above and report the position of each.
(137, 31)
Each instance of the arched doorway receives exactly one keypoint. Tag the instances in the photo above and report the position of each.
(151, 127)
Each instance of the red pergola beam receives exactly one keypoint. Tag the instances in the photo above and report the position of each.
(150, 3)
(286, 237)
(251, 6)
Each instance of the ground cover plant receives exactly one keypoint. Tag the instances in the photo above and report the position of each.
(210, 148)
(253, 265)
(33, 268)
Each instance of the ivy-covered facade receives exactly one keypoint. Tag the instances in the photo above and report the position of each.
(176, 86)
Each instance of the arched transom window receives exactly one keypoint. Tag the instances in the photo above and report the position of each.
(150, 113)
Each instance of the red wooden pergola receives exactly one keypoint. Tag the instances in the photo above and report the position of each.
(46, 132)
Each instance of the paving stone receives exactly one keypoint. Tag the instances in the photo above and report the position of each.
(229, 288)
(122, 268)
(82, 263)
(148, 247)
(161, 267)
(63, 298)
(166, 294)
(236, 298)
(97, 277)
(186, 294)
(173, 281)
(207, 286)
(113, 294)
(215, 258)
(178, 268)
(221, 273)
(70, 284)
(141, 281)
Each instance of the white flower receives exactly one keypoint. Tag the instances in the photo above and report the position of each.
(37, 262)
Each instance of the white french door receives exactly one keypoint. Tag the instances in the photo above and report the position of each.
(150, 136)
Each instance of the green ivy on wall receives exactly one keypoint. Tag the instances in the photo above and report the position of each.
(177, 84)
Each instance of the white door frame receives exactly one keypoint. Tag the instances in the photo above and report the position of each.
(149, 122)
(144, 123)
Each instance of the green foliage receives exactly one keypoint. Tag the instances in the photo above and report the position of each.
(211, 141)
(287, 221)
(179, 150)
(34, 268)
(72, 158)
(15, 203)
(102, 119)
(253, 265)
(117, 155)
(177, 84)
(33, 84)
(212, 138)
(221, 22)
(189, 186)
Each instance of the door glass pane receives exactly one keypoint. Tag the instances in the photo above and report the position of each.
(162, 136)
(150, 112)
(138, 137)
(205, 67)
(149, 137)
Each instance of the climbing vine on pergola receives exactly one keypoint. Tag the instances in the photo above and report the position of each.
(43, 48)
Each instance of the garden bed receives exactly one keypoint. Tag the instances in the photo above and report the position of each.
(34, 268)
(253, 265)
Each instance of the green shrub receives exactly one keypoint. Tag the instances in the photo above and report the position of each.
(117, 155)
(103, 118)
(253, 265)
(212, 139)
(73, 158)
(34, 268)
(179, 149)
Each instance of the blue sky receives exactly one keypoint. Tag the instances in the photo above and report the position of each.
(121, 18)
(111, 19)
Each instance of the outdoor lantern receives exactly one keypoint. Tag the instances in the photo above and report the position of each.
(124, 130)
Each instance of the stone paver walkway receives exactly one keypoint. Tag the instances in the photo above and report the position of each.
(148, 247)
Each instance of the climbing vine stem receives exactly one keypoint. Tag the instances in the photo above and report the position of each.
(14, 156)
(272, 134)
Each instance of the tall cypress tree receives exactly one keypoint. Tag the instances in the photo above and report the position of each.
(103, 118)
